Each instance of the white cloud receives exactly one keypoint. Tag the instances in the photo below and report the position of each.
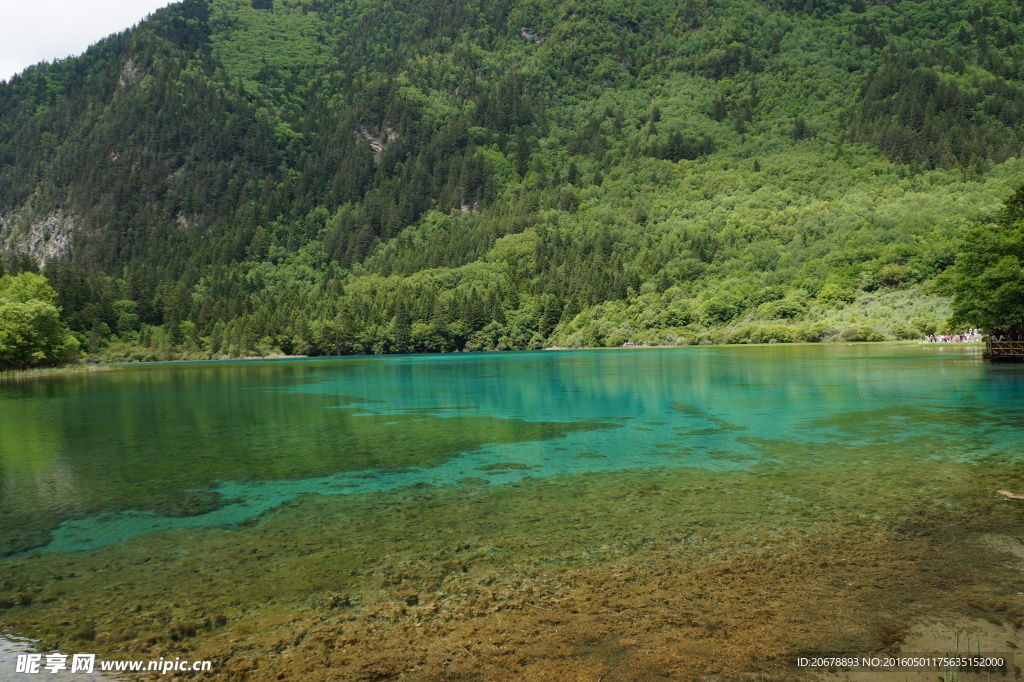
(32, 31)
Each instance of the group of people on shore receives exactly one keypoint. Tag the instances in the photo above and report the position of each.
(970, 336)
(975, 336)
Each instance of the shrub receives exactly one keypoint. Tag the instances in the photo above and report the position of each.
(763, 333)
(861, 333)
(767, 294)
(905, 332)
(718, 311)
(786, 309)
(818, 332)
(894, 275)
(833, 295)
(677, 315)
(926, 324)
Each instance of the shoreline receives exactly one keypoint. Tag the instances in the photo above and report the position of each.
(87, 367)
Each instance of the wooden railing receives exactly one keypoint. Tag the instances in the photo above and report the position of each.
(1004, 350)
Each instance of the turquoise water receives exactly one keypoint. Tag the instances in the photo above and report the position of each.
(88, 460)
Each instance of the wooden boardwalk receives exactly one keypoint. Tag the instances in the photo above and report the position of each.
(1004, 350)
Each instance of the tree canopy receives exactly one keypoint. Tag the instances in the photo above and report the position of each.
(988, 279)
(31, 331)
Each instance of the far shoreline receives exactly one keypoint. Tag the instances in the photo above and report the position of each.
(87, 366)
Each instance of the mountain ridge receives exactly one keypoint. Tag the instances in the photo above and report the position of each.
(320, 178)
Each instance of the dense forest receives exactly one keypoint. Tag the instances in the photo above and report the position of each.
(233, 178)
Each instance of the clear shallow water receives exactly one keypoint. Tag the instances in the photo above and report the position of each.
(88, 460)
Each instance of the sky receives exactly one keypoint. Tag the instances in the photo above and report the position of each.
(32, 31)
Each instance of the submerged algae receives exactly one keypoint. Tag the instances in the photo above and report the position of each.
(659, 573)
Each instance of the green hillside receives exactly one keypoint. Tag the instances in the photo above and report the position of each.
(237, 178)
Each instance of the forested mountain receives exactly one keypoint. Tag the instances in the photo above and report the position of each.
(239, 177)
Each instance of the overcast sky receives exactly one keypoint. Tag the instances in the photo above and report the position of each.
(32, 31)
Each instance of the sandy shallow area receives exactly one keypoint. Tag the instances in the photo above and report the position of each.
(647, 575)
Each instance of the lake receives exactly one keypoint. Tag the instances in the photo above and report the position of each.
(631, 514)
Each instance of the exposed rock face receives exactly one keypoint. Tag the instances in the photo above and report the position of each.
(378, 144)
(531, 36)
(42, 238)
(129, 74)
